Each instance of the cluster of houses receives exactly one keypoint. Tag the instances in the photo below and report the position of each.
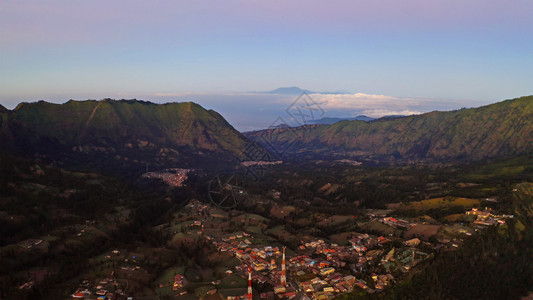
(327, 286)
(103, 289)
(328, 282)
(249, 163)
(172, 177)
(264, 262)
(402, 259)
(318, 279)
(323, 270)
(110, 287)
(27, 285)
(396, 223)
(30, 243)
(323, 259)
(487, 217)
(178, 282)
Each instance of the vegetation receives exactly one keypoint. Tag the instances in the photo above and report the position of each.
(64, 212)
(501, 129)
(125, 136)
(495, 264)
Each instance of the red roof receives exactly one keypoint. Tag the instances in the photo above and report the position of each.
(78, 295)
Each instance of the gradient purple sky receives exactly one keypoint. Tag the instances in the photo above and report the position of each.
(470, 52)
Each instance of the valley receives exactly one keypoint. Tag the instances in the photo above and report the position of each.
(266, 150)
(366, 234)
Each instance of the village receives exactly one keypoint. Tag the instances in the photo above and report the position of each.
(322, 269)
(260, 256)
(265, 248)
(174, 177)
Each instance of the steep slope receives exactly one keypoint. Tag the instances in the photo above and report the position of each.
(123, 134)
(4, 136)
(500, 129)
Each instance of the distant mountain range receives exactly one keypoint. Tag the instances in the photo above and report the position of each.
(298, 91)
(121, 134)
(333, 120)
(389, 117)
(500, 129)
(288, 91)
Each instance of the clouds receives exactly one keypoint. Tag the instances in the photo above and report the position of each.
(253, 111)
(355, 101)
(375, 106)
(378, 113)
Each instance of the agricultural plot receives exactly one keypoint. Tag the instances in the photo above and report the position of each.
(377, 227)
(422, 231)
(439, 203)
(335, 220)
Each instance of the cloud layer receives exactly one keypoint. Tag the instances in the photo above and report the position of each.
(253, 111)
(371, 105)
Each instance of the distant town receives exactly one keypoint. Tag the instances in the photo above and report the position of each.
(173, 177)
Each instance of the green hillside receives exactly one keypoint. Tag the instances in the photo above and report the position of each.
(123, 134)
(500, 129)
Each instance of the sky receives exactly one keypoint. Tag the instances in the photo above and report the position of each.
(409, 56)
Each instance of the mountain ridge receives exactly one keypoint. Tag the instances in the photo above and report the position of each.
(132, 132)
(499, 129)
(333, 120)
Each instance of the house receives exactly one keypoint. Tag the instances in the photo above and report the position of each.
(212, 292)
(307, 287)
(79, 295)
(178, 282)
(362, 285)
(279, 289)
(388, 256)
(383, 240)
(483, 215)
(290, 295)
(326, 271)
(412, 242)
(484, 222)
(359, 248)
